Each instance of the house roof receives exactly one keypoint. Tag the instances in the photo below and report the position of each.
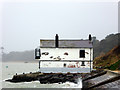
(66, 44)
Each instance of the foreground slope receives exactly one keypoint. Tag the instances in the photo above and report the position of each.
(110, 60)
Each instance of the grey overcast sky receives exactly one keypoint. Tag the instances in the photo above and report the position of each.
(24, 24)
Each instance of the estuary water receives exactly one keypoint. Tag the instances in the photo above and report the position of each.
(11, 68)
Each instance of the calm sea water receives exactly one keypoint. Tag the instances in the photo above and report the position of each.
(10, 69)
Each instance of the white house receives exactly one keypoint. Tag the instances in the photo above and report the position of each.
(74, 56)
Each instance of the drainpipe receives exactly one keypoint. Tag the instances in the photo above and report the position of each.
(90, 41)
(39, 64)
(90, 59)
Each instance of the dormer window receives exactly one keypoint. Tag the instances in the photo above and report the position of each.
(82, 53)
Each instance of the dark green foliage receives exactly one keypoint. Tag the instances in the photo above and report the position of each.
(115, 66)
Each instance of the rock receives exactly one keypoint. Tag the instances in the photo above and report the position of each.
(58, 78)
(45, 77)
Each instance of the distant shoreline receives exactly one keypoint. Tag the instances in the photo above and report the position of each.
(20, 62)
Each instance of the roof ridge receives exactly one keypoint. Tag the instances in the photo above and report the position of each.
(64, 40)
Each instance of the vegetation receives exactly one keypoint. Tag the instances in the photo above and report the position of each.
(107, 52)
(110, 60)
(105, 45)
(115, 66)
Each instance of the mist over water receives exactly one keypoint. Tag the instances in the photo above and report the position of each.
(10, 69)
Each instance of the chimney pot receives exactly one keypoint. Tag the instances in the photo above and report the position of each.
(56, 41)
(90, 38)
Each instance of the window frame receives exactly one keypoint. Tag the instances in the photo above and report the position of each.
(82, 55)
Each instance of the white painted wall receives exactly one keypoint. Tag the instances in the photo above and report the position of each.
(58, 64)
(73, 53)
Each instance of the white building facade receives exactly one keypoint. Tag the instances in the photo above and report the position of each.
(63, 56)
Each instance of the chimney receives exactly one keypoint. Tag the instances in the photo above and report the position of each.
(56, 41)
(90, 38)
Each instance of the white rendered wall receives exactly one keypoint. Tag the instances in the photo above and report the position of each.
(58, 64)
(73, 53)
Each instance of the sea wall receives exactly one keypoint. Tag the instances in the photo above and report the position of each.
(105, 79)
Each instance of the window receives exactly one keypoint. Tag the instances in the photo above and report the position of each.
(65, 53)
(45, 53)
(37, 53)
(83, 63)
(82, 53)
(64, 64)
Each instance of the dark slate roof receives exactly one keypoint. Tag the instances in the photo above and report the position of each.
(66, 43)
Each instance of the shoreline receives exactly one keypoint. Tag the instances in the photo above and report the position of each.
(20, 62)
